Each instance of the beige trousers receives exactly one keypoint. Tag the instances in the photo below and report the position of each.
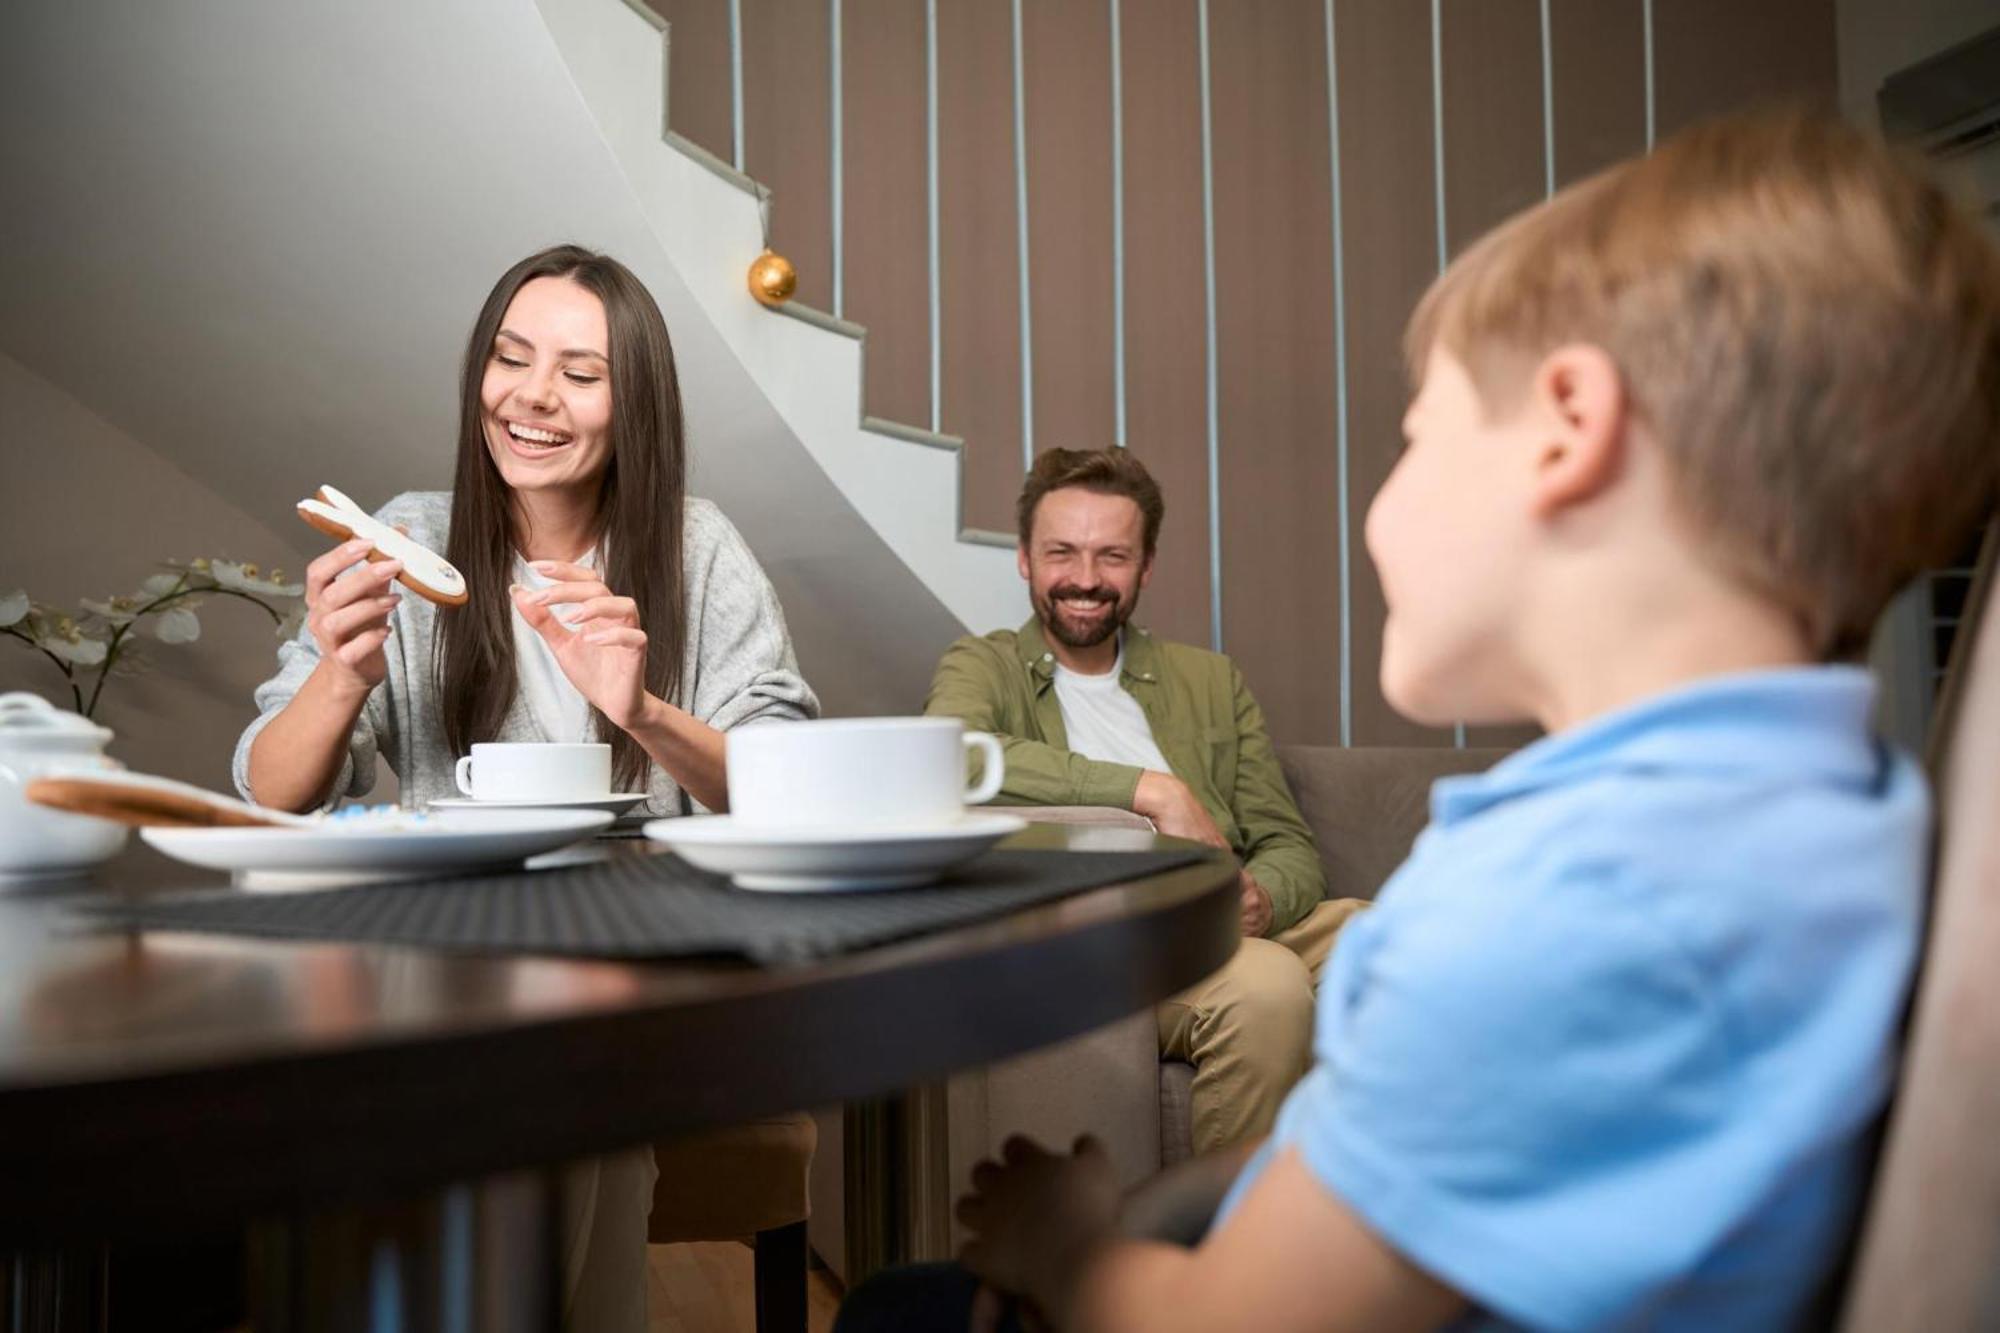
(1247, 1029)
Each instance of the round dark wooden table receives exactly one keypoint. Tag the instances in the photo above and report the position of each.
(154, 1085)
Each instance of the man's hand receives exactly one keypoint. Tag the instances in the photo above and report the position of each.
(1256, 907)
(1174, 809)
(1036, 1217)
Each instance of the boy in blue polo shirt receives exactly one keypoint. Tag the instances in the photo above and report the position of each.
(1607, 1051)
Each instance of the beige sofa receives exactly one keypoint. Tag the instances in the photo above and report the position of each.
(1365, 807)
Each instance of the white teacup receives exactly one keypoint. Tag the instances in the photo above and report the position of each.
(535, 771)
(857, 772)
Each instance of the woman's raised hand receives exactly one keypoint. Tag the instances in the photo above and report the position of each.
(348, 614)
(597, 641)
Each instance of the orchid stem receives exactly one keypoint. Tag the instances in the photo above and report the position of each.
(61, 665)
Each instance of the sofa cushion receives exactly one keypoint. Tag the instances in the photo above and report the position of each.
(1365, 806)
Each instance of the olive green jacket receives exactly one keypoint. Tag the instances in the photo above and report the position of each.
(1206, 724)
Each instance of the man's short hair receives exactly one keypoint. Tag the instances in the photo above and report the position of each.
(1805, 321)
(1106, 471)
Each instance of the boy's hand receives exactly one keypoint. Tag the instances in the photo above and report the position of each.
(1257, 910)
(1036, 1217)
(1174, 809)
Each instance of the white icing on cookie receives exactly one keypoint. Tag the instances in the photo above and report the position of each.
(421, 563)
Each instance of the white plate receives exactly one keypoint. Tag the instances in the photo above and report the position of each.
(611, 805)
(448, 840)
(830, 860)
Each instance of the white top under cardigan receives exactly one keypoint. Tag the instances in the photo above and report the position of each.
(560, 711)
(738, 666)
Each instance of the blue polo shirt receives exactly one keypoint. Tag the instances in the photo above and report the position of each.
(1607, 1051)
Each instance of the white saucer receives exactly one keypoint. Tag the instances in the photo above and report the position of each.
(612, 805)
(830, 860)
(449, 840)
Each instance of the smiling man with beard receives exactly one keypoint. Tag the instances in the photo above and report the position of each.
(1093, 710)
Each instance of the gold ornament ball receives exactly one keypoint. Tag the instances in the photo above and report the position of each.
(773, 279)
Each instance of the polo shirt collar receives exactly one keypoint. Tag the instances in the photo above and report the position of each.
(1793, 721)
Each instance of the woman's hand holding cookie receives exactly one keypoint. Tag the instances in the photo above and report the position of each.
(348, 613)
(597, 643)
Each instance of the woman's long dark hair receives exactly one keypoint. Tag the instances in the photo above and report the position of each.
(637, 526)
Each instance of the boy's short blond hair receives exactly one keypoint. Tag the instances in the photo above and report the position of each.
(1807, 324)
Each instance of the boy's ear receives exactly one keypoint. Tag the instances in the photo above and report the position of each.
(1580, 397)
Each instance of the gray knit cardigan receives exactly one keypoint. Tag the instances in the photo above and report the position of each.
(738, 667)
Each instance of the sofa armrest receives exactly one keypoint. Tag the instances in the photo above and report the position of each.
(1106, 816)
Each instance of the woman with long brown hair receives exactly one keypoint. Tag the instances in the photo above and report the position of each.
(605, 604)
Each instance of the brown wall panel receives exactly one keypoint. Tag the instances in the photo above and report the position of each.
(1600, 83)
(1493, 146)
(698, 77)
(787, 52)
(980, 283)
(1165, 310)
(1495, 157)
(1389, 231)
(1280, 481)
(1712, 56)
(1068, 77)
(1276, 399)
(882, 150)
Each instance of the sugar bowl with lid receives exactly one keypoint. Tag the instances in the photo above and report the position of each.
(37, 739)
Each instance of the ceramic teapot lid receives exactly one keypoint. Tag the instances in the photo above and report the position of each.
(26, 717)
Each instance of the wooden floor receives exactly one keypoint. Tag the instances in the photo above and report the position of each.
(706, 1288)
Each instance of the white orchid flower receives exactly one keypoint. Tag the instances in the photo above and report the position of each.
(62, 638)
(247, 578)
(177, 625)
(289, 627)
(159, 585)
(14, 607)
(116, 610)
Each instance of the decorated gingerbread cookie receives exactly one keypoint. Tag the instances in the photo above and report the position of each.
(425, 572)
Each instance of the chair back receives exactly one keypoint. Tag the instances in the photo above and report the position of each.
(1929, 1254)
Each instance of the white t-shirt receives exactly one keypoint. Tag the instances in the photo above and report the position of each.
(558, 707)
(1103, 721)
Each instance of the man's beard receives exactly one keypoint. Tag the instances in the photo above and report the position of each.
(1049, 608)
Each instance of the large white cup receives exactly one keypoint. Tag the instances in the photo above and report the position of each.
(535, 771)
(859, 772)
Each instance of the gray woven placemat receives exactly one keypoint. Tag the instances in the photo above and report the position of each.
(638, 907)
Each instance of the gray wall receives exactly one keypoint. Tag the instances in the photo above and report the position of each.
(87, 511)
(246, 241)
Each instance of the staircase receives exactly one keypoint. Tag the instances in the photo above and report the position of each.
(710, 219)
